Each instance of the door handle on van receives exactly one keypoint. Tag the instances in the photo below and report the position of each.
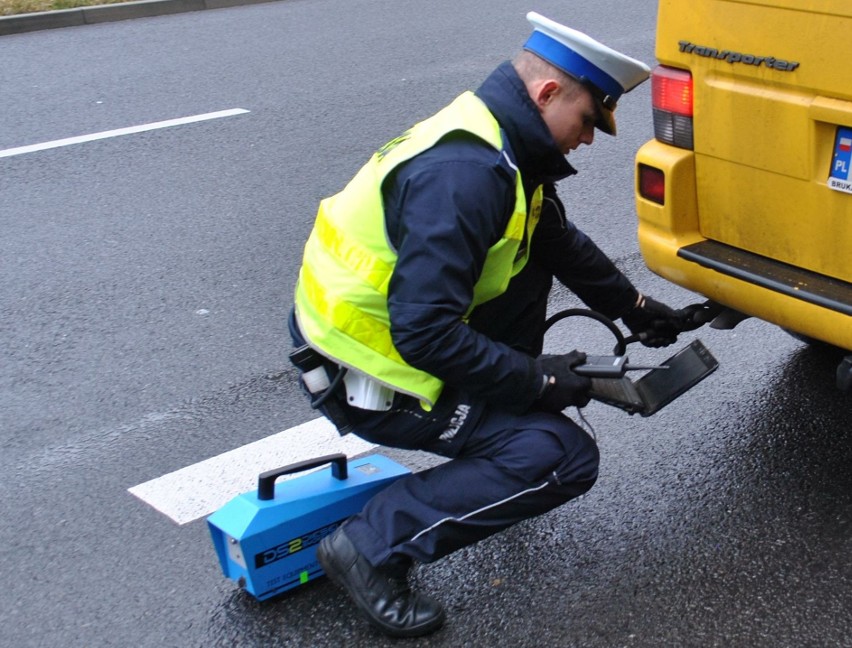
(832, 111)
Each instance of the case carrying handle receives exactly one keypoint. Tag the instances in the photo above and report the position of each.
(266, 480)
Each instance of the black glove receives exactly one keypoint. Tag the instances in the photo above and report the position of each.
(563, 387)
(656, 324)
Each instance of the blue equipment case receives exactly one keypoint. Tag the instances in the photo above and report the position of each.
(266, 539)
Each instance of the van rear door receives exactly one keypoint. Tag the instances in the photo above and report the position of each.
(772, 123)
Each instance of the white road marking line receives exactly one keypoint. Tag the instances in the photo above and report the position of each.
(121, 131)
(200, 489)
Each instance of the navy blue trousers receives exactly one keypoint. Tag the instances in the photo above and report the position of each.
(503, 469)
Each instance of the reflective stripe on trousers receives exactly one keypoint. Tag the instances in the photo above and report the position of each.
(505, 469)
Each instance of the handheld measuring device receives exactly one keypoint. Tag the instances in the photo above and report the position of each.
(614, 366)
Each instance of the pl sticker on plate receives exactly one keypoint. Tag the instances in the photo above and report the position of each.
(840, 177)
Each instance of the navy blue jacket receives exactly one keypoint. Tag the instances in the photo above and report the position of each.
(444, 209)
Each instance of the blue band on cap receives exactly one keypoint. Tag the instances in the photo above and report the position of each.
(569, 61)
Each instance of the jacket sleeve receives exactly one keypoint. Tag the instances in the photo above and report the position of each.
(443, 212)
(578, 263)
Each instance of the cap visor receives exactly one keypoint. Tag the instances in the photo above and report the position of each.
(606, 119)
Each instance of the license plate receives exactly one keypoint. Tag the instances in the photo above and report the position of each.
(840, 177)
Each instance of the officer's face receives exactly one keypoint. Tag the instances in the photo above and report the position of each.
(570, 115)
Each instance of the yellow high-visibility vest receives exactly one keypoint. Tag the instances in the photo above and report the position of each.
(341, 294)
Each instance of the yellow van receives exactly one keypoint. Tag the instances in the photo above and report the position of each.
(745, 194)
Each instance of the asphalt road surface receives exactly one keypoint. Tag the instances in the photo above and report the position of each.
(146, 279)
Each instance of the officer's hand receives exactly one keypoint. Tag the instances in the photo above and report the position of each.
(656, 324)
(563, 387)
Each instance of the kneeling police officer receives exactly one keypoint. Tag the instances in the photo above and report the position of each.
(426, 281)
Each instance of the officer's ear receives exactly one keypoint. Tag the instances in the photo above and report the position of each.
(544, 92)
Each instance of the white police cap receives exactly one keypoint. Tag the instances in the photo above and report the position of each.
(605, 72)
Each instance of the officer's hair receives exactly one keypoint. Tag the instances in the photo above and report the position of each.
(531, 67)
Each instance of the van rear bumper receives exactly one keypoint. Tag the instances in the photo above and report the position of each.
(672, 246)
(810, 287)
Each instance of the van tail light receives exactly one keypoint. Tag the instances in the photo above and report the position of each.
(652, 184)
(672, 98)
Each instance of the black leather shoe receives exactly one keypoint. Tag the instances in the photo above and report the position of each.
(382, 594)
